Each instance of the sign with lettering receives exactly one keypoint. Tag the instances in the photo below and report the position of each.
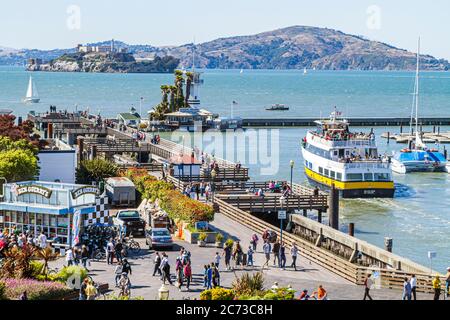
(85, 190)
(282, 215)
(34, 189)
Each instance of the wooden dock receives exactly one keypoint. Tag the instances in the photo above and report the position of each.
(357, 122)
(427, 137)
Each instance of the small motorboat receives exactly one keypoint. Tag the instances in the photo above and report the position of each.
(278, 107)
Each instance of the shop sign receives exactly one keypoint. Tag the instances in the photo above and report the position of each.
(35, 189)
(85, 190)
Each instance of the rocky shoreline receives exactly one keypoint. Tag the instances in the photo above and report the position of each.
(106, 63)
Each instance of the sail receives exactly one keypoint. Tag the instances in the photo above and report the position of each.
(30, 89)
(32, 93)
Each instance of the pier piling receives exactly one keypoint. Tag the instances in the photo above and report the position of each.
(351, 229)
(388, 242)
(334, 208)
(388, 137)
(319, 216)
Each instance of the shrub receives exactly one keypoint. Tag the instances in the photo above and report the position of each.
(202, 236)
(68, 273)
(36, 290)
(280, 294)
(219, 237)
(220, 294)
(249, 285)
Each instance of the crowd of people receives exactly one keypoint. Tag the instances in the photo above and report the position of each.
(13, 237)
(199, 190)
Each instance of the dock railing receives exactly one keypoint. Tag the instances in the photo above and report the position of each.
(319, 249)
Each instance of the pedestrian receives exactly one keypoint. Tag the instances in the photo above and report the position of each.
(23, 296)
(83, 287)
(367, 286)
(126, 267)
(209, 277)
(202, 189)
(84, 257)
(294, 253)
(118, 273)
(276, 253)
(321, 293)
(237, 254)
(437, 287)
(118, 248)
(413, 282)
(304, 295)
(110, 252)
(165, 268)
(187, 270)
(180, 273)
(254, 241)
(197, 191)
(282, 260)
(250, 256)
(205, 276)
(267, 248)
(217, 260)
(157, 263)
(216, 277)
(227, 253)
(406, 290)
(91, 291)
(69, 257)
(42, 240)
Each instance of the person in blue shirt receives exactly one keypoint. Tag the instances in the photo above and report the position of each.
(250, 256)
(209, 277)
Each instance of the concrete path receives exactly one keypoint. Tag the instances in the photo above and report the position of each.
(308, 277)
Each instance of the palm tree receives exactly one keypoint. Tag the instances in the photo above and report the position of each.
(47, 255)
(173, 92)
(189, 80)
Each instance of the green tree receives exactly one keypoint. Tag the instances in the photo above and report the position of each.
(95, 170)
(18, 165)
(179, 97)
(189, 80)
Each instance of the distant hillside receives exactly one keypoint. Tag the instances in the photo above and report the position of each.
(295, 47)
(106, 63)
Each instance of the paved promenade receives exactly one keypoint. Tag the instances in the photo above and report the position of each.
(308, 276)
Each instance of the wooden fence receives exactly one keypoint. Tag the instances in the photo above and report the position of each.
(392, 279)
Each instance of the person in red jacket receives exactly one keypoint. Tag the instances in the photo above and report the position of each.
(187, 270)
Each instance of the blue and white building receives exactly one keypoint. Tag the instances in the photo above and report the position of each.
(49, 207)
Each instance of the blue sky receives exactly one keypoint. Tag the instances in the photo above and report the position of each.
(43, 24)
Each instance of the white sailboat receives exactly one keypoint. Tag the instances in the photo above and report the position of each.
(32, 93)
(242, 71)
(420, 158)
(305, 71)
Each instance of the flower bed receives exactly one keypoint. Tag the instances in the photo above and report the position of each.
(178, 206)
(36, 290)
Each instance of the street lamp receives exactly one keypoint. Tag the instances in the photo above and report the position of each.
(163, 293)
(292, 163)
(282, 215)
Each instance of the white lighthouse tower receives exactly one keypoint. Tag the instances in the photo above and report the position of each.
(194, 98)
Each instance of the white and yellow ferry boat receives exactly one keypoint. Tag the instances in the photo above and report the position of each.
(335, 156)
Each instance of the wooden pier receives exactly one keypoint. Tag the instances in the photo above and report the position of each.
(427, 137)
(357, 122)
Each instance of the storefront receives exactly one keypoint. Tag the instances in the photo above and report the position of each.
(45, 206)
